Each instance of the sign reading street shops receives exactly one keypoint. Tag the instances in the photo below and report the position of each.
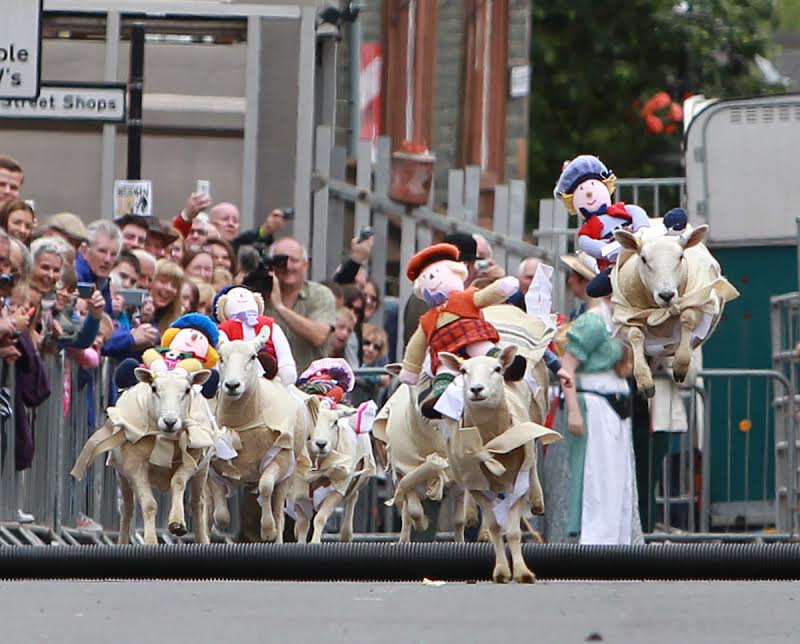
(98, 102)
(20, 48)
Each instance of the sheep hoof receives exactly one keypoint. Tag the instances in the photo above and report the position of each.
(501, 575)
(525, 577)
(178, 529)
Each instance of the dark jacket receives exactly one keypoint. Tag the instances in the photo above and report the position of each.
(31, 389)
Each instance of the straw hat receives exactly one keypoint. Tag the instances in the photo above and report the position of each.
(582, 264)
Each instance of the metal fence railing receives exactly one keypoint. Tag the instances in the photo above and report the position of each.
(730, 470)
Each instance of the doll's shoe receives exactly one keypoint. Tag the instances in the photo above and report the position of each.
(269, 364)
(429, 397)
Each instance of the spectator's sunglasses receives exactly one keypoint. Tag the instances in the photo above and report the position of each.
(375, 345)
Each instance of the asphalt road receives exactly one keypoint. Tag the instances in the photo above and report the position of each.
(242, 612)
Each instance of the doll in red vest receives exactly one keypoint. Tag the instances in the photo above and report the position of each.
(240, 313)
(585, 186)
(454, 322)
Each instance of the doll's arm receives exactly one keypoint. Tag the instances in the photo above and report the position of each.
(287, 368)
(590, 246)
(639, 218)
(415, 352)
(496, 293)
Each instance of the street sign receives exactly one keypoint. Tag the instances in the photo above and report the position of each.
(20, 48)
(98, 102)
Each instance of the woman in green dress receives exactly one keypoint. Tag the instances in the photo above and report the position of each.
(590, 487)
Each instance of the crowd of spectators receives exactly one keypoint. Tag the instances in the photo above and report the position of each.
(109, 289)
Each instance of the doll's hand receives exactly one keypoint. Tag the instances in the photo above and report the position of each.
(508, 285)
(408, 377)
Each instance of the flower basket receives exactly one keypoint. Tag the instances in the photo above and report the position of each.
(411, 174)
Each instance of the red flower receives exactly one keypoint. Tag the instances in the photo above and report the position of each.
(676, 112)
(653, 124)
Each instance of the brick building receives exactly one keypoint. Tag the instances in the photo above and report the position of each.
(445, 81)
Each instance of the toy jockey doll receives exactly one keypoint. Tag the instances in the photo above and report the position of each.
(188, 344)
(585, 186)
(240, 312)
(454, 322)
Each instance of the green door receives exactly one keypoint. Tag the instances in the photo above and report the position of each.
(742, 454)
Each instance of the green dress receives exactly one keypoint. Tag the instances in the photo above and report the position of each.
(591, 342)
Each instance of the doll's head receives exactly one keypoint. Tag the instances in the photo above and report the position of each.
(436, 273)
(237, 303)
(196, 334)
(585, 185)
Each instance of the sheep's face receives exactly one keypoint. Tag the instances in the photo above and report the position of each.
(324, 436)
(483, 377)
(238, 365)
(660, 265)
(171, 396)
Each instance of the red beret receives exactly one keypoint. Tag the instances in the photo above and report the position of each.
(428, 256)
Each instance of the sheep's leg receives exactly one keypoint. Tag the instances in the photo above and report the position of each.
(471, 518)
(323, 514)
(502, 572)
(537, 495)
(522, 574)
(405, 530)
(222, 514)
(197, 486)
(690, 319)
(278, 503)
(346, 533)
(140, 482)
(459, 512)
(127, 511)
(415, 511)
(274, 472)
(641, 372)
(301, 525)
(177, 513)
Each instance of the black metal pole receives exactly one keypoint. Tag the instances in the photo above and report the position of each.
(136, 88)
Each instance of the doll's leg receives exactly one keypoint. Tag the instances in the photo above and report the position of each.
(124, 376)
(269, 364)
(600, 286)
(210, 387)
(429, 397)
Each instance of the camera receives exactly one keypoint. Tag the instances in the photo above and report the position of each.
(288, 213)
(482, 265)
(365, 233)
(133, 297)
(259, 265)
(7, 280)
(85, 290)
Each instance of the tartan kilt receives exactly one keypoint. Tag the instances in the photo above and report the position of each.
(457, 336)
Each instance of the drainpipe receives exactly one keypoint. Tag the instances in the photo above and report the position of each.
(356, 37)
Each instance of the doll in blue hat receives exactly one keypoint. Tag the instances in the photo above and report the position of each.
(585, 186)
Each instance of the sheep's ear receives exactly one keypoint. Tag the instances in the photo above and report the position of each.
(344, 412)
(144, 375)
(695, 237)
(263, 336)
(200, 377)
(507, 356)
(451, 361)
(394, 368)
(627, 240)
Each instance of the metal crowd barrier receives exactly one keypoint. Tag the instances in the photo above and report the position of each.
(61, 427)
